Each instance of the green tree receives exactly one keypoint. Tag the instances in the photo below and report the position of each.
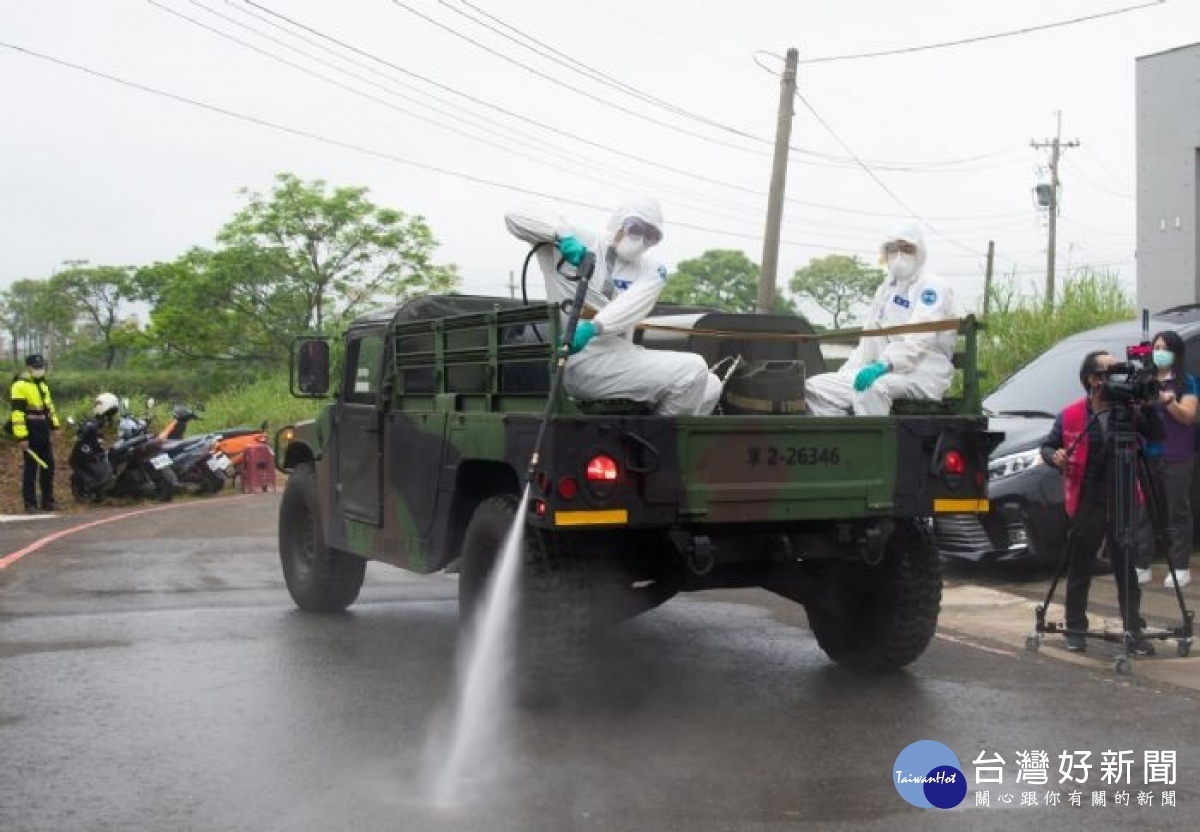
(101, 297)
(225, 305)
(837, 284)
(34, 319)
(722, 278)
(335, 251)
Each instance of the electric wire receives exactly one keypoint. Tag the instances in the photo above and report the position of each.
(579, 67)
(704, 203)
(392, 157)
(571, 87)
(734, 211)
(980, 38)
(691, 174)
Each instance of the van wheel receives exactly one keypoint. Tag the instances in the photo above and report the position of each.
(879, 617)
(318, 578)
(552, 613)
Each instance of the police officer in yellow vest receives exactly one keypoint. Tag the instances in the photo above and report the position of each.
(33, 417)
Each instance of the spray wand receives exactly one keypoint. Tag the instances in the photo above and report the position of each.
(583, 273)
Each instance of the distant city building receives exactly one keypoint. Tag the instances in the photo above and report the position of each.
(1168, 178)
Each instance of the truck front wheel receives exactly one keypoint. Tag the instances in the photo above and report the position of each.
(318, 578)
(879, 617)
(553, 608)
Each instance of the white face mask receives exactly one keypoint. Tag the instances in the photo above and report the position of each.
(630, 247)
(902, 266)
(37, 373)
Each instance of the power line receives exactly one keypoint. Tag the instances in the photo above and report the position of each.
(706, 202)
(559, 82)
(391, 157)
(691, 174)
(979, 38)
(872, 174)
(579, 67)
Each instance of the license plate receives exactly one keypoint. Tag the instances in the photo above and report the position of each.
(218, 463)
(160, 462)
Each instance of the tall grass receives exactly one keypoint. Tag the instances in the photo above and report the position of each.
(1020, 327)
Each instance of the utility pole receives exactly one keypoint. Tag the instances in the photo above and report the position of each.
(783, 136)
(1056, 145)
(987, 277)
(512, 284)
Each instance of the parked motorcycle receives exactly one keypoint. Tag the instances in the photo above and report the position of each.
(199, 464)
(232, 442)
(133, 466)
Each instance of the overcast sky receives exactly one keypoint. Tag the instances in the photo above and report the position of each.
(457, 111)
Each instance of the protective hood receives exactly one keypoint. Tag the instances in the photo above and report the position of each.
(644, 208)
(908, 234)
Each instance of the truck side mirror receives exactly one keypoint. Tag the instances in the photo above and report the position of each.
(312, 367)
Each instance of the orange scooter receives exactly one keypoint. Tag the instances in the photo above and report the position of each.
(230, 441)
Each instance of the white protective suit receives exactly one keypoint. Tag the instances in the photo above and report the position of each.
(620, 295)
(921, 362)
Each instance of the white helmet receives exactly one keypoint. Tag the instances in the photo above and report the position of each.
(106, 404)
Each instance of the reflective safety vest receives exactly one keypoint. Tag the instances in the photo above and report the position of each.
(31, 402)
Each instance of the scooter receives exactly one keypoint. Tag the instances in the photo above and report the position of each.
(232, 442)
(197, 461)
(134, 466)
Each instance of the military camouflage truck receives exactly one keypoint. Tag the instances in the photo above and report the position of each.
(421, 459)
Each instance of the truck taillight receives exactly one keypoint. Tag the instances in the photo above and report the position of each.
(568, 488)
(954, 464)
(601, 468)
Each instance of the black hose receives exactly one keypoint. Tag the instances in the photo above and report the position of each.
(583, 274)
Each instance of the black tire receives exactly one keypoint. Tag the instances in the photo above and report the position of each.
(880, 617)
(553, 612)
(210, 483)
(318, 578)
(80, 491)
(164, 483)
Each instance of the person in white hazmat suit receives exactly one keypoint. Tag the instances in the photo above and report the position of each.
(883, 368)
(605, 363)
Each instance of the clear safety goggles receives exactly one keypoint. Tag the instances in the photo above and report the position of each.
(899, 247)
(638, 228)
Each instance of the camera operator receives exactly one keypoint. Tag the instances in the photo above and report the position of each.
(1171, 460)
(1080, 446)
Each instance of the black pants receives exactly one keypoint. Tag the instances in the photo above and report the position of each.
(1175, 487)
(1089, 530)
(39, 443)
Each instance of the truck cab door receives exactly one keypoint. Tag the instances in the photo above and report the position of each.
(359, 431)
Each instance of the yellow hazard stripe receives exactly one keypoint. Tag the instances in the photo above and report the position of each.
(606, 517)
(947, 506)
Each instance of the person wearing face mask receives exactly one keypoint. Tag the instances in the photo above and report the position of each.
(33, 418)
(605, 363)
(1080, 445)
(882, 368)
(1170, 461)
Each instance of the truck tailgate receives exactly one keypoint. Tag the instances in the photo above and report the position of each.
(746, 469)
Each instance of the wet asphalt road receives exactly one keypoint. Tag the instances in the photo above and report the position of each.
(154, 675)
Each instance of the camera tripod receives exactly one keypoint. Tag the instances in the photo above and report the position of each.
(1127, 472)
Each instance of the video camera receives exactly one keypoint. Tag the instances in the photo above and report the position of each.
(1135, 380)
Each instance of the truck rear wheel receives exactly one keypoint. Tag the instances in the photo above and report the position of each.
(553, 609)
(879, 617)
(318, 578)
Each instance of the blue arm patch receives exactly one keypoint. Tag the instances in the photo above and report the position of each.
(929, 297)
(662, 272)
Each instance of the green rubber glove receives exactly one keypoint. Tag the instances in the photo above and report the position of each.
(868, 375)
(584, 332)
(571, 249)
